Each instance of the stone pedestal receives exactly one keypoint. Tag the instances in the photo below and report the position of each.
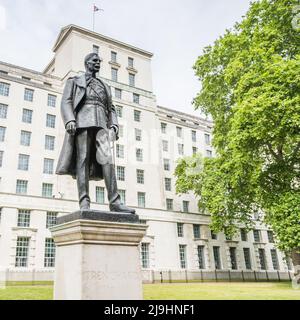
(97, 256)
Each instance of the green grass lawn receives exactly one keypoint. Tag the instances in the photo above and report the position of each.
(176, 291)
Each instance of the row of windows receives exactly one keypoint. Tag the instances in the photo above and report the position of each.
(114, 71)
(114, 77)
(179, 132)
(22, 186)
(25, 139)
(24, 218)
(28, 94)
(22, 252)
(27, 116)
(120, 153)
(113, 56)
(233, 258)
(180, 149)
(214, 236)
(135, 96)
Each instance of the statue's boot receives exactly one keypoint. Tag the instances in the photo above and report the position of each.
(114, 198)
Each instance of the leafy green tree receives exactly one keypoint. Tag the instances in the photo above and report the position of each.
(250, 85)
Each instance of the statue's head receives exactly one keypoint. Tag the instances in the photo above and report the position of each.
(92, 62)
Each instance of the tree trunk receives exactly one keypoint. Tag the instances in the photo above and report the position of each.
(296, 262)
(296, 256)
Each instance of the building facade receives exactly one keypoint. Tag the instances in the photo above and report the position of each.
(152, 138)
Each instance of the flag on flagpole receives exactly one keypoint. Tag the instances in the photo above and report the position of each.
(96, 8)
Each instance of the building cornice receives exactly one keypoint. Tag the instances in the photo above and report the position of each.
(64, 33)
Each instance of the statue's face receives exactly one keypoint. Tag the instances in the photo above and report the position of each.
(93, 64)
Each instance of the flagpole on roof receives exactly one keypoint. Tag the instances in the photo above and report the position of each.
(94, 16)
(95, 9)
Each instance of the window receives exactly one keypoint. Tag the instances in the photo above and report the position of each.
(145, 255)
(207, 138)
(270, 236)
(182, 255)
(121, 131)
(114, 74)
(119, 111)
(95, 49)
(232, 253)
(100, 195)
(3, 111)
(194, 137)
(1, 158)
(28, 95)
(49, 259)
(51, 219)
(185, 206)
(169, 204)
(120, 173)
(23, 218)
(196, 230)
(130, 62)
(141, 199)
(49, 142)
(137, 115)
(166, 164)
(138, 134)
(131, 80)
(140, 176)
(25, 138)
(168, 184)
(195, 150)
(22, 251)
(136, 98)
(201, 259)
(23, 162)
(48, 166)
(179, 132)
(208, 153)
(21, 187)
(214, 236)
(50, 121)
(51, 100)
(256, 235)
(113, 56)
(247, 258)
(4, 89)
(27, 116)
(262, 259)
(180, 148)
(274, 257)
(217, 258)
(180, 229)
(139, 154)
(165, 145)
(120, 151)
(2, 133)
(244, 235)
(47, 190)
(122, 194)
(118, 93)
(163, 127)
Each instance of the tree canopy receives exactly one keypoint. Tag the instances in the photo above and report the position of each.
(250, 85)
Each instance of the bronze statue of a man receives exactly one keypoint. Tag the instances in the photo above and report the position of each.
(91, 123)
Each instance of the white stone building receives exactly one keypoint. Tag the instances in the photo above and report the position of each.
(152, 138)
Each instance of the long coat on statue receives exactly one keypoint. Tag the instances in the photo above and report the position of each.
(72, 100)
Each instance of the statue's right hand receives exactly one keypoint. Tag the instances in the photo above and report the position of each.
(71, 127)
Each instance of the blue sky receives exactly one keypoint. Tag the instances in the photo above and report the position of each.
(175, 31)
